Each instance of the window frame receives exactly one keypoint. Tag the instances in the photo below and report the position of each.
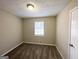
(42, 29)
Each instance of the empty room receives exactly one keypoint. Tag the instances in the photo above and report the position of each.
(38, 29)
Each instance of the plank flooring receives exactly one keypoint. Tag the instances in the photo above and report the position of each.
(31, 51)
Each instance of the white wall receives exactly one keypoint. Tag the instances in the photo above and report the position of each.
(62, 34)
(10, 31)
(50, 30)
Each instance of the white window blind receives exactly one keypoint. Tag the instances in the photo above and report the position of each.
(39, 28)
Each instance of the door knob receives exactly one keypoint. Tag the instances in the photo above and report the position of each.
(71, 45)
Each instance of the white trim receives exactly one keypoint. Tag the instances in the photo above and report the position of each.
(12, 49)
(40, 43)
(73, 9)
(60, 53)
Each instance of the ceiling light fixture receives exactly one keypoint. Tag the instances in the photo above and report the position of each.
(30, 6)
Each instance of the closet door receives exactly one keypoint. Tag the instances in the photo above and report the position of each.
(74, 34)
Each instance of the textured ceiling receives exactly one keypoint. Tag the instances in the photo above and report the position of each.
(42, 7)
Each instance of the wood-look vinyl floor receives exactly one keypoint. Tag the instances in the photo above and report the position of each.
(31, 51)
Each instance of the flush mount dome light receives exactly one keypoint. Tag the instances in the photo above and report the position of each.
(30, 6)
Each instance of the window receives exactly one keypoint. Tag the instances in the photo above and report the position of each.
(39, 28)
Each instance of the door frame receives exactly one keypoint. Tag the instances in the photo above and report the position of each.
(70, 17)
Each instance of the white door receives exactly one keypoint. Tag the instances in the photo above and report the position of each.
(74, 34)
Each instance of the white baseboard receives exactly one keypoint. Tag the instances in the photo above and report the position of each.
(60, 52)
(40, 43)
(11, 49)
